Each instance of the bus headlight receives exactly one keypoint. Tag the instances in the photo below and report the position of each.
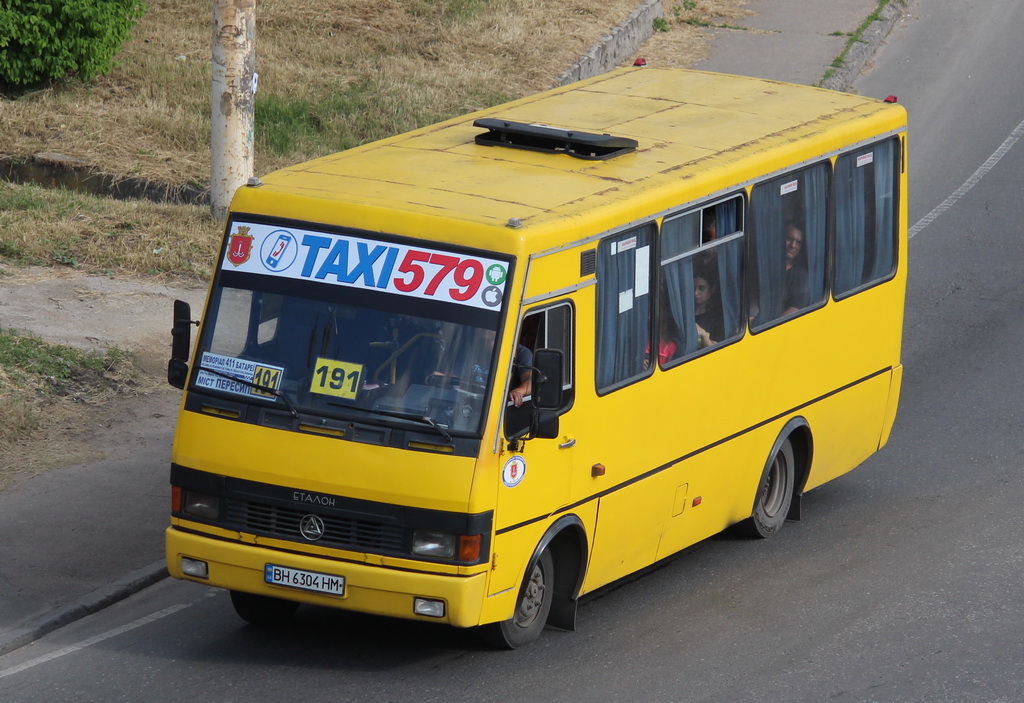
(195, 567)
(201, 505)
(427, 543)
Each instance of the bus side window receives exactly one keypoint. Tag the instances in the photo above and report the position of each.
(701, 265)
(548, 328)
(787, 239)
(865, 193)
(623, 307)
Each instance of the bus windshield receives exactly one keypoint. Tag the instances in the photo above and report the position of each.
(352, 351)
(333, 356)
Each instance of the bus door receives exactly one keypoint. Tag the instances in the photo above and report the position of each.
(536, 474)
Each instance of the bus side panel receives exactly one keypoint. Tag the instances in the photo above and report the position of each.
(509, 555)
(714, 489)
(534, 484)
(845, 428)
(890, 410)
(629, 528)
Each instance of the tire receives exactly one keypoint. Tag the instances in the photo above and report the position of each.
(774, 496)
(532, 608)
(262, 610)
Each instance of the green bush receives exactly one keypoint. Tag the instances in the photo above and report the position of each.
(43, 40)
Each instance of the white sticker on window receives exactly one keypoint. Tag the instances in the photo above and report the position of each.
(218, 372)
(625, 245)
(625, 301)
(865, 159)
(347, 260)
(643, 271)
(790, 187)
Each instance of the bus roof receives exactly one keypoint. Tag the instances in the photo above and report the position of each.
(713, 131)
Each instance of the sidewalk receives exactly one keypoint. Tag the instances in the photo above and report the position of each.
(797, 40)
(75, 540)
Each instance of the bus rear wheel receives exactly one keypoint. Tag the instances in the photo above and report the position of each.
(262, 610)
(774, 496)
(532, 608)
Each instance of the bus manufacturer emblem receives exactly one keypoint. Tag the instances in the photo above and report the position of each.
(311, 527)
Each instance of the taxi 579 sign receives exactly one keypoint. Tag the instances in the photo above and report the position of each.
(344, 260)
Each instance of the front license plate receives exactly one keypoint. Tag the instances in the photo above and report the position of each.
(304, 580)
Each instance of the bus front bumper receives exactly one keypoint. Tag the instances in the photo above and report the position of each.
(367, 588)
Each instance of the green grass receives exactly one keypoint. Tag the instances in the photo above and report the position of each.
(459, 10)
(854, 37)
(55, 227)
(28, 360)
(354, 114)
(43, 385)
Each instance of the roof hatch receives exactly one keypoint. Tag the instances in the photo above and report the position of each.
(552, 140)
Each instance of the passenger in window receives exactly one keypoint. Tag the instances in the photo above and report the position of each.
(522, 372)
(479, 352)
(708, 234)
(797, 294)
(707, 309)
(668, 347)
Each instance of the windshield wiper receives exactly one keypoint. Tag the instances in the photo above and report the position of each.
(263, 389)
(424, 419)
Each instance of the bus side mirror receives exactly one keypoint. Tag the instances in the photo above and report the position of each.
(181, 342)
(547, 379)
(545, 425)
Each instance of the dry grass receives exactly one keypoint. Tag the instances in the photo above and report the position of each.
(48, 395)
(100, 235)
(51, 435)
(405, 62)
(348, 70)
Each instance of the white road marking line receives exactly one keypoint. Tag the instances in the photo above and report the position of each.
(970, 182)
(96, 639)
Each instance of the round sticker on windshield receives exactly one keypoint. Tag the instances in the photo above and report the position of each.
(514, 471)
(491, 296)
(496, 274)
(279, 250)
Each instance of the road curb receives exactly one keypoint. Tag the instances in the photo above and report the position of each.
(94, 602)
(865, 47)
(616, 46)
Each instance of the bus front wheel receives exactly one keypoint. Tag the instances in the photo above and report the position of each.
(774, 495)
(262, 610)
(532, 608)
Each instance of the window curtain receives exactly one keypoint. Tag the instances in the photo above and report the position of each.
(815, 200)
(729, 257)
(851, 223)
(768, 280)
(679, 235)
(865, 251)
(885, 208)
(623, 306)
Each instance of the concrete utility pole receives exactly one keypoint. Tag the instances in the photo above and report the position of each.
(232, 100)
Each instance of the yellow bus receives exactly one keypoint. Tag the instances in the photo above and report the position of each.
(470, 373)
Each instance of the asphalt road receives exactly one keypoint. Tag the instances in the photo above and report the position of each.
(902, 583)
